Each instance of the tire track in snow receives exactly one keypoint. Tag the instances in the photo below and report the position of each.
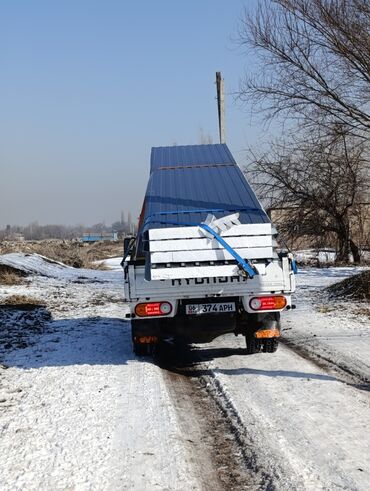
(280, 411)
(224, 457)
(345, 372)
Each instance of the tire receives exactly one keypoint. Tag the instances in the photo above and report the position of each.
(270, 345)
(143, 349)
(253, 346)
(140, 349)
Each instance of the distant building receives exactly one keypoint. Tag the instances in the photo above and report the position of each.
(100, 237)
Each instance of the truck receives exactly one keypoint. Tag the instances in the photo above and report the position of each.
(205, 261)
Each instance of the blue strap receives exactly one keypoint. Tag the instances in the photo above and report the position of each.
(242, 263)
(247, 267)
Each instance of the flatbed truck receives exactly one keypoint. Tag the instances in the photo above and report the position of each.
(205, 261)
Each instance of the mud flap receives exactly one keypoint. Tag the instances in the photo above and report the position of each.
(145, 335)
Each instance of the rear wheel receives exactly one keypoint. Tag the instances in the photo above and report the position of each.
(143, 349)
(270, 345)
(253, 346)
(142, 330)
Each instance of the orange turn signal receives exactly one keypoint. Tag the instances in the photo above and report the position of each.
(267, 333)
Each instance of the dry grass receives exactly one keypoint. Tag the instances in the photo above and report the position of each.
(354, 288)
(99, 266)
(22, 300)
(364, 311)
(324, 309)
(11, 276)
(70, 252)
(104, 250)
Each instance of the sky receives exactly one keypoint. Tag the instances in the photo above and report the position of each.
(87, 87)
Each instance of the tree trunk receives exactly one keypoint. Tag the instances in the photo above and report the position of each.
(343, 242)
(355, 252)
(343, 251)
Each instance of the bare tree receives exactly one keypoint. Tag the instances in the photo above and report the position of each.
(314, 71)
(315, 61)
(321, 183)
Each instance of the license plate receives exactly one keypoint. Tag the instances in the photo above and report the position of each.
(210, 308)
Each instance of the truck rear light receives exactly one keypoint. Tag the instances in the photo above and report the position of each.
(268, 303)
(153, 308)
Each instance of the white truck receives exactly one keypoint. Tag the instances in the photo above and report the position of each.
(205, 261)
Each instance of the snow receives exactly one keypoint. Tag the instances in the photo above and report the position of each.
(88, 416)
(113, 263)
(322, 256)
(79, 411)
(332, 329)
(307, 428)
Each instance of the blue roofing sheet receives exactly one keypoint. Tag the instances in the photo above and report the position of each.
(177, 156)
(188, 182)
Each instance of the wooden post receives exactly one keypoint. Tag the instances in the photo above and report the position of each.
(220, 106)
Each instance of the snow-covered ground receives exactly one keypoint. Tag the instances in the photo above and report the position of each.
(335, 330)
(308, 429)
(322, 256)
(308, 425)
(79, 411)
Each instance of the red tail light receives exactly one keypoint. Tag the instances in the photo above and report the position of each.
(268, 303)
(153, 308)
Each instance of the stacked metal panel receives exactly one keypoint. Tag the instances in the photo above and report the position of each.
(186, 184)
(185, 180)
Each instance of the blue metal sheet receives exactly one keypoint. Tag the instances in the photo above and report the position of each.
(177, 156)
(188, 182)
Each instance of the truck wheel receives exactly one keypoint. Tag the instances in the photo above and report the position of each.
(253, 346)
(270, 345)
(139, 328)
(141, 349)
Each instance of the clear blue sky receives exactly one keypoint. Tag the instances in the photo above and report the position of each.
(87, 87)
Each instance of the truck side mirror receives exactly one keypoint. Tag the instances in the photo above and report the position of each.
(128, 243)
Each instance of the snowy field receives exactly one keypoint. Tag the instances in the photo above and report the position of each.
(79, 412)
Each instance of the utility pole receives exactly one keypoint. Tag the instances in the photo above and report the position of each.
(220, 106)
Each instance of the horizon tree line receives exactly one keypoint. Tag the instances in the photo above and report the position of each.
(35, 231)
